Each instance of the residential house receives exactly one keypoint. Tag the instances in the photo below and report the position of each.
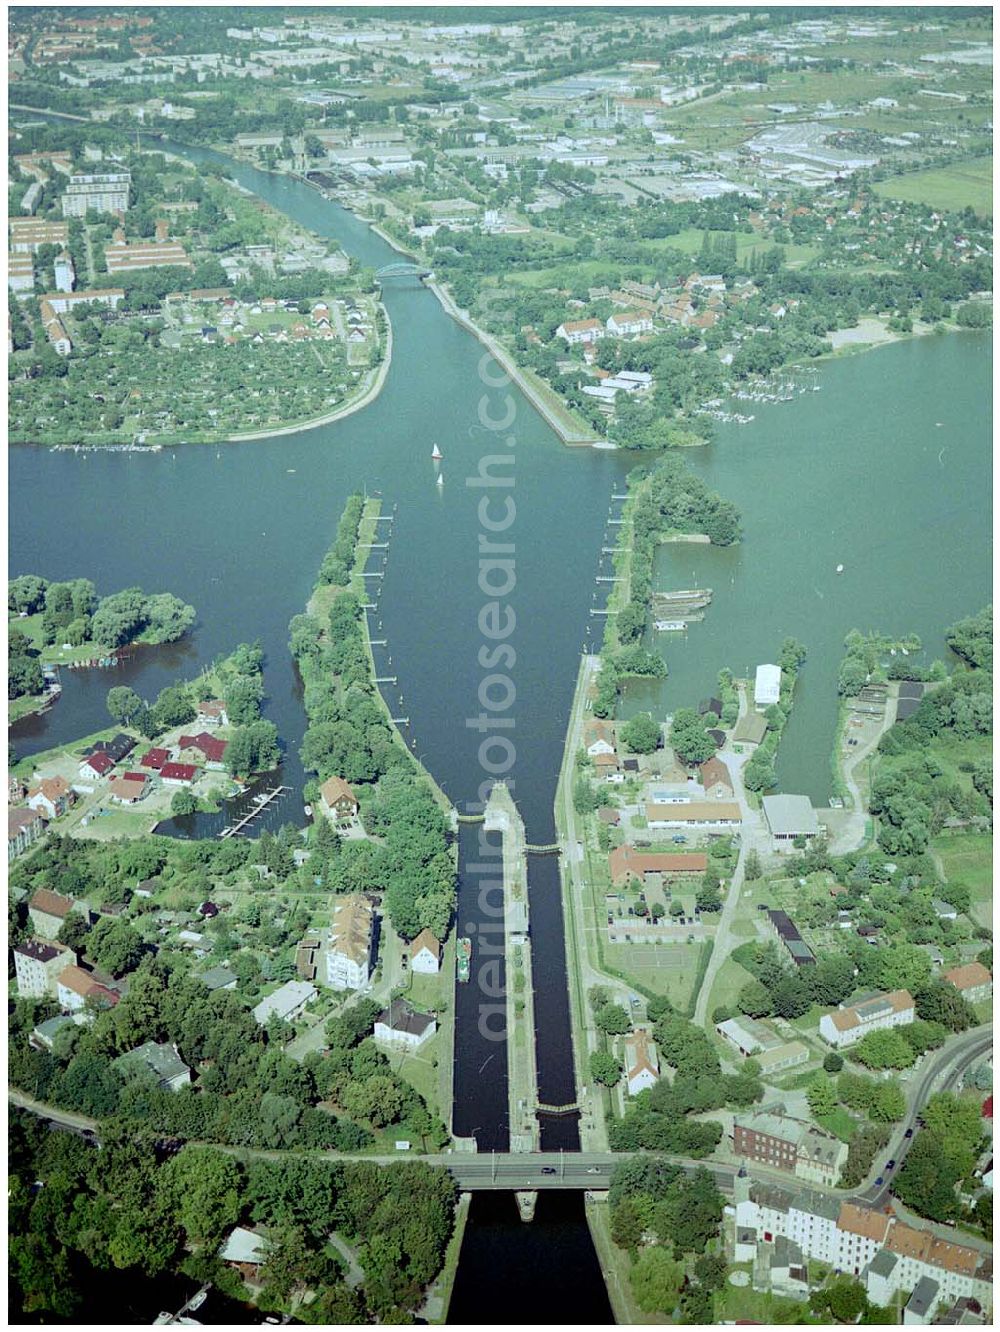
(209, 746)
(119, 747)
(246, 1251)
(161, 1060)
(581, 330)
(338, 800)
(642, 1063)
(750, 729)
(349, 957)
(38, 964)
(973, 982)
(626, 863)
(24, 826)
(878, 1012)
(75, 986)
(599, 738)
(212, 712)
(47, 911)
(95, 767)
(401, 1025)
(767, 685)
(43, 1037)
(629, 323)
(128, 789)
(179, 774)
(155, 759)
(51, 797)
(784, 1143)
(790, 817)
(287, 1003)
(425, 954)
(217, 978)
(715, 780)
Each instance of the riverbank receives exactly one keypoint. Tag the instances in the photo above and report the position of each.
(368, 395)
(556, 416)
(438, 1300)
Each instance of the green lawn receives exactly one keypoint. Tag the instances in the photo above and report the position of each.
(963, 185)
(839, 1123)
(730, 979)
(742, 1303)
(967, 858)
(666, 969)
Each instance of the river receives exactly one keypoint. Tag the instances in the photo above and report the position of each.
(240, 530)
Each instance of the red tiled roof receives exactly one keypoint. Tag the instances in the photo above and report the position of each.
(155, 758)
(99, 763)
(208, 745)
(184, 772)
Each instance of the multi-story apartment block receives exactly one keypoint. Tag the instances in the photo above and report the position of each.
(104, 194)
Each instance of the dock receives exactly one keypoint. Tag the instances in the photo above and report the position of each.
(235, 829)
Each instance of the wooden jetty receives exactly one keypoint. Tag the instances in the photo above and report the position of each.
(235, 829)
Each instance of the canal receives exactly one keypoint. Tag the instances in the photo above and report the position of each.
(240, 530)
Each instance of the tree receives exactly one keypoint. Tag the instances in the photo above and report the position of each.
(604, 1068)
(168, 618)
(752, 866)
(613, 1019)
(183, 803)
(656, 1280)
(641, 734)
(791, 996)
(822, 1096)
(26, 593)
(115, 946)
(120, 617)
(884, 1049)
(755, 1000)
(940, 1002)
(888, 1104)
(123, 704)
(708, 897)
(688, 737)
(206, 1188)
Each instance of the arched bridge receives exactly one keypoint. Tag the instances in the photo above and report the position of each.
(403, 270)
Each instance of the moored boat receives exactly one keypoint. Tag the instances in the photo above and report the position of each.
(464, 958)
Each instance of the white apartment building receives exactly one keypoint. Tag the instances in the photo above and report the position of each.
(104, 194)
(348, 959)
(38, 965)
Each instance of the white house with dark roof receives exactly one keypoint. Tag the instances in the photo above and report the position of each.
(159, 1059)
(401, 1025)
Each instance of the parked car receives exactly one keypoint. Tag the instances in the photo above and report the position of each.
(892, 1164)
(880, 1180)
(908, 1133)
(548, 1170)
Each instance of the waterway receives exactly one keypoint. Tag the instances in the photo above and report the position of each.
(240, 530)
(887, 470)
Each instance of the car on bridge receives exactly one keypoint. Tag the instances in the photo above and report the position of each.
(548, 1170)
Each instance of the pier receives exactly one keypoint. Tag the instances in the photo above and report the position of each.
(501, 815)
(262, 802)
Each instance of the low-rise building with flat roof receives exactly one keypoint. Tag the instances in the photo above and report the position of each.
(789, 817)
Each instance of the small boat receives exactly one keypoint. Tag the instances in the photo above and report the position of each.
(440, 479)
(198, 1300)
(464, 957)
(840, 568)
(667, 626)
(436, 453)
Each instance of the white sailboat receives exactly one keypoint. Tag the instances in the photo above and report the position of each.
(436, 453)
(440, 479)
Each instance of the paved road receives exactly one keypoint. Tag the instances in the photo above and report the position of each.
(848, 834)
(593, 1170)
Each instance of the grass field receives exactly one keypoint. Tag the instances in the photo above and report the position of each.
(667, 969)
(963, 185)
(839, 1123)
(967, 858)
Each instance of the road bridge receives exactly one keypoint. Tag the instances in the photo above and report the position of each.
(403, 270)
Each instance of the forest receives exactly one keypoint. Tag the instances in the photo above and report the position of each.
(133, 1210)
